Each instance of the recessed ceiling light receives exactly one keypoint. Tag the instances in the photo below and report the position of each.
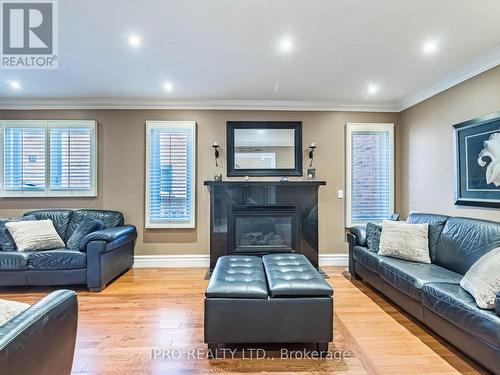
(168, 86)
(430, 47)
(134, 40)
(372, 89)
(285, 44)
(15, 85)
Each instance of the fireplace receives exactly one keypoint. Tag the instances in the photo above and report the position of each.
(263, 229)
(261, 217)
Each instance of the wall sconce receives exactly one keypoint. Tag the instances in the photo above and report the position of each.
(216, 153)
(312, 148)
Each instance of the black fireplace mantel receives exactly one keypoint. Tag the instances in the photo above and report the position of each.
(230, 198)
(264, 183)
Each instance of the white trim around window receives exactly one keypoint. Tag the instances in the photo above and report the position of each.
(170, 200)
(352, 128)
(86, 146)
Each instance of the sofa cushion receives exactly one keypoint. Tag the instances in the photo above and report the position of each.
(463, 241)
(58, 259)
(367, 258)
(13, 261)
(454, 304)
(405, 241)
(10, 309)
(238, 277)
(34, 235)
(110, 219)
(86, 226)
(292, 275)
(436, 225)
(6, 241)
(482, 280)
(60, 219)
(410, 277)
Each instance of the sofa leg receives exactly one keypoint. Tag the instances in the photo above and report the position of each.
(322, 347)
(99, 289)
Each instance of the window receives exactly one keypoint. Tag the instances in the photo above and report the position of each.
(48, 158)
(369, 172)
(170, 174)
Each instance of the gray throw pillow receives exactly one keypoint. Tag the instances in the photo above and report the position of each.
(373, 232)
(405, 241)
(482, 280)
(85, 227)
(34, 235)
(6, 241)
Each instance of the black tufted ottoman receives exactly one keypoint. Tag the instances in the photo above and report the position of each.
(279, 298)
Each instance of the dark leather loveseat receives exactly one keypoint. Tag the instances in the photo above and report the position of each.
(41, 340)
(109, 252)
(431, 292)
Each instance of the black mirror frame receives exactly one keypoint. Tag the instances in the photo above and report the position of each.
(295, 125)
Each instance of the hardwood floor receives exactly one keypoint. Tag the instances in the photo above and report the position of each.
(163, 308)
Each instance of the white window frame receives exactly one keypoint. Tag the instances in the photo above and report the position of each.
(171, 125)
(356, 127)
(47, 125)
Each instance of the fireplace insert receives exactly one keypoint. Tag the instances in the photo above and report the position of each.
(263, 229)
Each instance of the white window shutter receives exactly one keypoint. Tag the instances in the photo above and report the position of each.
(370, 173)
(170, 174)
(48, 158)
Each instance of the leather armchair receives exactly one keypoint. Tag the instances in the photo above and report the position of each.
(41, 340)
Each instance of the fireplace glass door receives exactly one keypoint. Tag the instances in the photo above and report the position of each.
(261, 229)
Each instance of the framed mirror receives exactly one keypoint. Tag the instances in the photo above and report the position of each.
(264, 148)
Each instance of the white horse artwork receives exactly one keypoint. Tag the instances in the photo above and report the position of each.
(492, 150)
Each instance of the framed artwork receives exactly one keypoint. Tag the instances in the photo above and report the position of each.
(477, 153)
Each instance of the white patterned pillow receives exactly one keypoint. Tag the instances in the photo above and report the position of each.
(34, 235)
(405, 241)
(482, 280)
(9, 309)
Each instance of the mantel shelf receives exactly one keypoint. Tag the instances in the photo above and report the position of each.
(268, 183)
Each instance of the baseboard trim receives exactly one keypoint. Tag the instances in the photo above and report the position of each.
(340, 260)
(186, 261)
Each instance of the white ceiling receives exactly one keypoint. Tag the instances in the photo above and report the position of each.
(222, 53)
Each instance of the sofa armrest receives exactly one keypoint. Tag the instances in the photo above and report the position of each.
(110, 234)
(497, 304)
(109, 253)
(41, 340)
(359, 233)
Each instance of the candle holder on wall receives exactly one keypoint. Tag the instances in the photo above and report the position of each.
(216, 153)
(312, 148)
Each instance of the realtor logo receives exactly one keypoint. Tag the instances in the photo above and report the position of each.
(29, 34)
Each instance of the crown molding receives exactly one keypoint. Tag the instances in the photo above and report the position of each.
(472, 69)
(152, 104)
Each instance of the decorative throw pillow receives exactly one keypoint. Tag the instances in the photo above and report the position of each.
(373, 232)
(6, 241)
(405, 241)
(9, 309)
(34, 235)
(482, 280)
(85, 227)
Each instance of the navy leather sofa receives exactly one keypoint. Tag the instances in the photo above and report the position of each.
(41, 340)
(431, 292)
(109, 252)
